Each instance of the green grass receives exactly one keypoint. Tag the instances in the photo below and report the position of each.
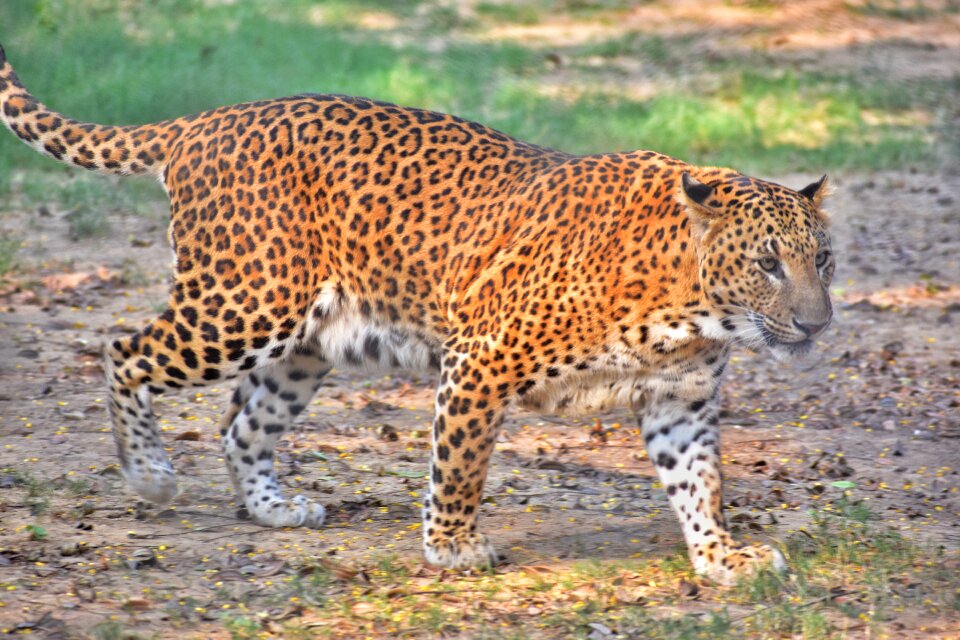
(86, 200)
(174, 57)
(38, 491)
(241, 627)
(845, 572)
(907, 10)
(652, 48)
(511, 12)
(9, 246)
(112, 630)
(843, 567)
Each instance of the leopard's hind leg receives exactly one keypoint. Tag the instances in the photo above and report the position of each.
(262, 408)
(143, 461)
(177, 350)
(166, 354)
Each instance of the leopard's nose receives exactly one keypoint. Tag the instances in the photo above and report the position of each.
(810, 328)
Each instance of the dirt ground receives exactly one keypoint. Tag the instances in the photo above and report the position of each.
(877, 404)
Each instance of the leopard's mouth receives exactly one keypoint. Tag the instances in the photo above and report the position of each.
(782, 347)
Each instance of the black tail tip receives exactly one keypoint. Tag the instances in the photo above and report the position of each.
(3, 55)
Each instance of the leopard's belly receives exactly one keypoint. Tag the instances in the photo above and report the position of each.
(348, 338)
(622, 383)
(587, 395)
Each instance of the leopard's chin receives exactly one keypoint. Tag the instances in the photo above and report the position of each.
(784, 351)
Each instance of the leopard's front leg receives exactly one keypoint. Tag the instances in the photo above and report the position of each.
(469, 412)
(683, 442)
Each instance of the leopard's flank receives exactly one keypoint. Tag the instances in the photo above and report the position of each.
(321, 231)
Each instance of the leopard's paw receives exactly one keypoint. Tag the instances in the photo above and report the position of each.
(461, 551)
(155, 482)
(298, 511)
(742, 562)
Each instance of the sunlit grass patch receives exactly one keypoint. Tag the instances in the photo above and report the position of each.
(752, 121)
(845, 572)
(149, 63)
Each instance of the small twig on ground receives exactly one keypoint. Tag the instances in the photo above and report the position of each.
(150, 536)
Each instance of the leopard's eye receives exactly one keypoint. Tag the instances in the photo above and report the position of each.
(822, 258)
(769, 264)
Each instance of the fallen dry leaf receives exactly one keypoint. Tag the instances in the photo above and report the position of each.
(91, 371)
(630, 595)
(362, 608)
(64, 281)
(137, 604)
(67, 281)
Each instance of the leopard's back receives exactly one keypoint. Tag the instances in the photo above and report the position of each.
(319, 230)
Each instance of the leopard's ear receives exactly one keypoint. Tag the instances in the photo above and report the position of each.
(817, 191)
(698, 199)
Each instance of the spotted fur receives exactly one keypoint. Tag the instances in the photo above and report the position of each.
(320, 230)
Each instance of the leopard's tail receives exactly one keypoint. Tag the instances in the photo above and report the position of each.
(106, 149)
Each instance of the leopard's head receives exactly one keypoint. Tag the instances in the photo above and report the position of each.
(764, 257)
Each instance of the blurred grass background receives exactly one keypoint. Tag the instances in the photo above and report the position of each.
(136, 61)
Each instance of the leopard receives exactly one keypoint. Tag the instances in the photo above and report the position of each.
(320, 231)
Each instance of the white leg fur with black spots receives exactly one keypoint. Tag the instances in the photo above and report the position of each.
(464, 436)
(143, 461)
(263, 407)
(683, 442)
